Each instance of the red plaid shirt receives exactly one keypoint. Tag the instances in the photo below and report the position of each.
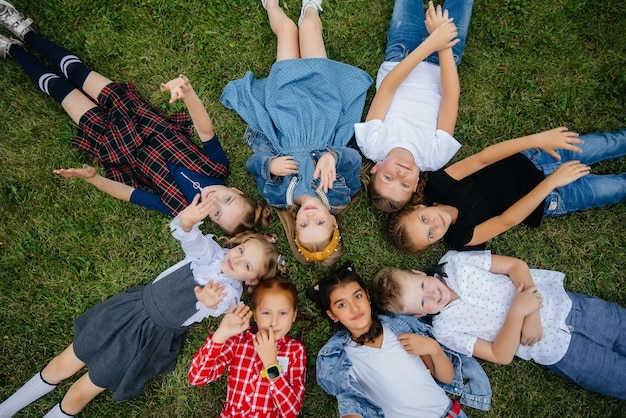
(134, 140)
(249, 394)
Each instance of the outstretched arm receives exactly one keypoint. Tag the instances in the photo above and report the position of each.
(514, 215)
(548, 141)
(443, 37)
(88, 173)
(180, 88)
(450, 88)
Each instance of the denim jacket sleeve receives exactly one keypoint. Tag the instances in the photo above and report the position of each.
(470, 382)
(348, 164)
(334, 375)
(258, 165)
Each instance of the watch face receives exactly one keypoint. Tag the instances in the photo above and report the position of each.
(273, 372)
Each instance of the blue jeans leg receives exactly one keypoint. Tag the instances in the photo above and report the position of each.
(591, 190)
(407, 29)
(596, 357)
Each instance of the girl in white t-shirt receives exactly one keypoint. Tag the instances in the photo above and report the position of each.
(410, 123)
(395, 369)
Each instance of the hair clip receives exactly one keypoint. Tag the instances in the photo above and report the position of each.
(270, 238)
(281, 260)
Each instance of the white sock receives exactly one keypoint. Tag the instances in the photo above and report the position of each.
(57, 412)
(32, 390)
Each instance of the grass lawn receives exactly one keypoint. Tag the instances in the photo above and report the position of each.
(64, 246)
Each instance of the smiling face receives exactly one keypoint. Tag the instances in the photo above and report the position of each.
(274, 308)
(427, 224)
(227, 206)
(314, 223)
(422, 294)
(350, 305)
(245, 262)
(396, 176)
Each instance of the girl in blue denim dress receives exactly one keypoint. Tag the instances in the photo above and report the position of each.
(302, 117)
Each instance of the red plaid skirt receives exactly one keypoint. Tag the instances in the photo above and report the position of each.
(134, 141)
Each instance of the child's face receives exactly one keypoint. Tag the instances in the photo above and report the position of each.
(422, 294)
(350, 305)
(314, 224)
(227, 205)
(274, 311)
(396, 176)
(245, 262)
(427, 224)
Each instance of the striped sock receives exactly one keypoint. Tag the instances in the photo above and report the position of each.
(68, 63)
(51, 84)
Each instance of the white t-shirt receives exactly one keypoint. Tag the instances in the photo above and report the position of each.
(411, 121)
(397, 381)
(484, 303)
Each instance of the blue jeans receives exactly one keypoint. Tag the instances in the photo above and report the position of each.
(589, 191)
(407, 28)
(596, 357)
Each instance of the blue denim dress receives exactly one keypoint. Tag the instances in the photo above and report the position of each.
(335, 377)
(305, 108)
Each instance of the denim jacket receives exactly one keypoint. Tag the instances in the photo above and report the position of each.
(274, 188)
(335, 376)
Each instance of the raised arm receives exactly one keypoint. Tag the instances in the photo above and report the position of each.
(88, 173)
(180, 88)
(514, 215)
(450, 88)
(548, 141)
(443, 37)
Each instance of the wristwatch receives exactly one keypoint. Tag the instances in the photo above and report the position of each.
(272, 371)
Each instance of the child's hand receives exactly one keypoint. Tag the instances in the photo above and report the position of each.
(236, 321)
(568, 172)
(558, 138)
(194, 213)
(419, 345)
(177, 87)
(526, 301)
(435, 17)
(532, 330)
(325, 170)
(283, 166)
(86, 172)
(444, 36)
(265, 345)
(211, 294)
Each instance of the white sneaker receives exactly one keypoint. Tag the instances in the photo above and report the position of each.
(264, 3)
(305, 5)
(5, 45)
(11, 19)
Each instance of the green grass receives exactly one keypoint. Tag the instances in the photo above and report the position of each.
(64, 247)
